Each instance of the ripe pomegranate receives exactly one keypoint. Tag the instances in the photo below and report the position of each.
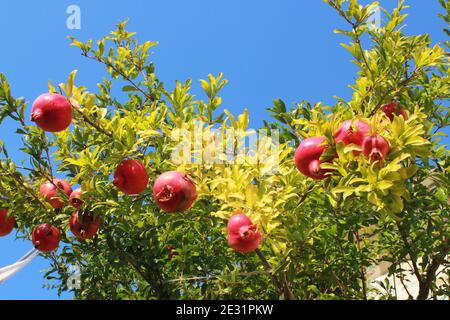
(307, 157)
(131, 177)
(75, 198)
(174, 191)
(49, 191)
(172, 253)
(243, 235)
(394, 108)
(6, 223)
(375, 148)
(52, 112)
(46, 237)
(85, 225)
(352, 134)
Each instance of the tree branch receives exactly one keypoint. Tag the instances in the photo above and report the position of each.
(425, 285)
(92, 123)
(283, 286)
(407, 246)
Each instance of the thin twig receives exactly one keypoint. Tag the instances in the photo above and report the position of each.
(402, 84)
(409, 250)
(92, 123)
(237, 274)
(127, 78)
(362, 272)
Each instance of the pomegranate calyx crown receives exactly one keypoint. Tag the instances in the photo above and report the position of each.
(165, 194)
(35, 115)
(247, 231)
(314, 167)
(375, 155)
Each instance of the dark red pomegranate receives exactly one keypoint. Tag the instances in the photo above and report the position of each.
(75, 198)
(394, 108)
(307, 157)
(171, 252)
(6, 223)
(46, 237)
(131, 177)
(49, 191)
(375, 148)
(84, 226)
(52, 112)
(174, 191)
(352, 134)
(243, 235)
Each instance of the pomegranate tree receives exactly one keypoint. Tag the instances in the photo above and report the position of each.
(6, 223)
(174, 191)
(321, 237)
(49, 190)
(52, 112)
(131, 177)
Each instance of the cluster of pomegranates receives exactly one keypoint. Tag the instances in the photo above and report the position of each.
(175, 191)
(172, 191)
(374, 147)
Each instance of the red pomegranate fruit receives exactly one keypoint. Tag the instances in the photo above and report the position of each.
(375, 148)
(352, 134)
(174, 191)
(6, 223)
(394, 108)
(46, 237)
(85, 225)
(52, 112)
(171, 252)
(75, 198)
(49, 191)
(307, 157)
(243, 235)
(131, 177)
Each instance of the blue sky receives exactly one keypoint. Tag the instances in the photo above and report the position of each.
(267, 49)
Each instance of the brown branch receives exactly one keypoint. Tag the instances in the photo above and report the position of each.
(127, 78)
(408, 248)
(402, 84)
(282, 285)
(356, 38)
(425, 285)
(362, 271)
(92, 123)
(306, 194)
(125, 258)
(237, 274)
(24, 187)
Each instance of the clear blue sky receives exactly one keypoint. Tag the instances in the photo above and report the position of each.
(267, 49)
